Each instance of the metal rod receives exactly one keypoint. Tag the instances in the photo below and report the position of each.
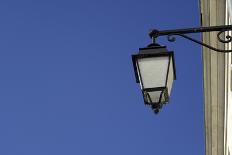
(182, 32)
(156, 33)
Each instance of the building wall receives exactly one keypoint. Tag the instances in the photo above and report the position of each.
(228, 107)
(215, 74)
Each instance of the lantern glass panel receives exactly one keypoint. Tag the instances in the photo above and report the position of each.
(170, 76)
(153, 97)
(153, 71)
(163, 98)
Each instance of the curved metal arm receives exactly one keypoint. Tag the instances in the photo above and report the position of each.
(181, 32)
(171, 38)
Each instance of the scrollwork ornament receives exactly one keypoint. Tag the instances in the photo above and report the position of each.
(171, 37)
(227, 39)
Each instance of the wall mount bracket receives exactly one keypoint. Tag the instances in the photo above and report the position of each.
(182, 33)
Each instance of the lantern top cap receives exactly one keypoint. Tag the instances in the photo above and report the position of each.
(152, 49)
(155, 45)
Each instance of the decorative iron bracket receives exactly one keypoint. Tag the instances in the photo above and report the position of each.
(182, 32)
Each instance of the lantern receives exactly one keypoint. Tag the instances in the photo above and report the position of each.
(154, 69)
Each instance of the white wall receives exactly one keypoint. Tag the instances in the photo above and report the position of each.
(228, 78)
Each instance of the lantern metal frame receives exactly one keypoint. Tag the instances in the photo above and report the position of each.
(156, 106)
(144, 55)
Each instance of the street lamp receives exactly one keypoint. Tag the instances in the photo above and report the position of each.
(154, 61)
(154, 65)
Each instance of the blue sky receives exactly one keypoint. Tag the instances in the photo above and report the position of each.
(67, 84)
